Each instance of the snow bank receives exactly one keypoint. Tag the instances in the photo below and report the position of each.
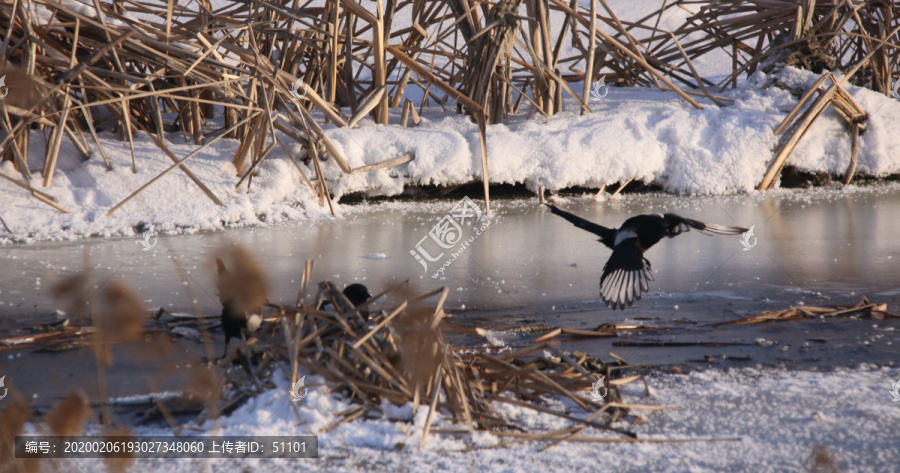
(631, 134)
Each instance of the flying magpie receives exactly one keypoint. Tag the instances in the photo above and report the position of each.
(627, 273)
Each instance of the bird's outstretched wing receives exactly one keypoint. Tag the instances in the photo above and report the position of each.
(607, 235)
(626, 275)
(678, 224)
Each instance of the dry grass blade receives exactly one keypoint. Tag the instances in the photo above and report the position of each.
(176, 165)
(384, 164)
(373, 100)
(864, 308)
(435, 394)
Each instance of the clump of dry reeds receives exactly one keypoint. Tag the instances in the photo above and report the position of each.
(861, 39)
(401, 356)
(818, 35)
(835, 96)
(863, 309)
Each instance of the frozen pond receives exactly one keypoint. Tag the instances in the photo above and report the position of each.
(840, 245)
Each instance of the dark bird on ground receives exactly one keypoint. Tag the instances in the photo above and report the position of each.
(351, 297)
(358, 294)
(627, 273)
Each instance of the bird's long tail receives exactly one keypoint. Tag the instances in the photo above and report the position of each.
(713, 227)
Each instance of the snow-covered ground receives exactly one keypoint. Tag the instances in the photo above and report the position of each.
(747, 419)
(632, 133)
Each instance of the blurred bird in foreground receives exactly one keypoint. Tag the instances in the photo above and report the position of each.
(242, 292)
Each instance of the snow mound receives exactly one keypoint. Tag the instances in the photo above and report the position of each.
(749, 419)
(632, 133)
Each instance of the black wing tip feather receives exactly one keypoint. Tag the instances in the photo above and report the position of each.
(607, 235)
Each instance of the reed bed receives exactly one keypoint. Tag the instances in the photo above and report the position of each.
(153, 68)
(817, 35)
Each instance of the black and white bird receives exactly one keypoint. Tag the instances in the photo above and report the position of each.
(237, 323)
(627, 273)
(242, 292)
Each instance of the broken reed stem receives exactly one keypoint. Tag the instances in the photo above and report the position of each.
(592, 51)
(435, 394)
(178, 163)
(55, 142)
(482, 135)
(854, 151)
(45, 198)
(814, 111)
(381, 364)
